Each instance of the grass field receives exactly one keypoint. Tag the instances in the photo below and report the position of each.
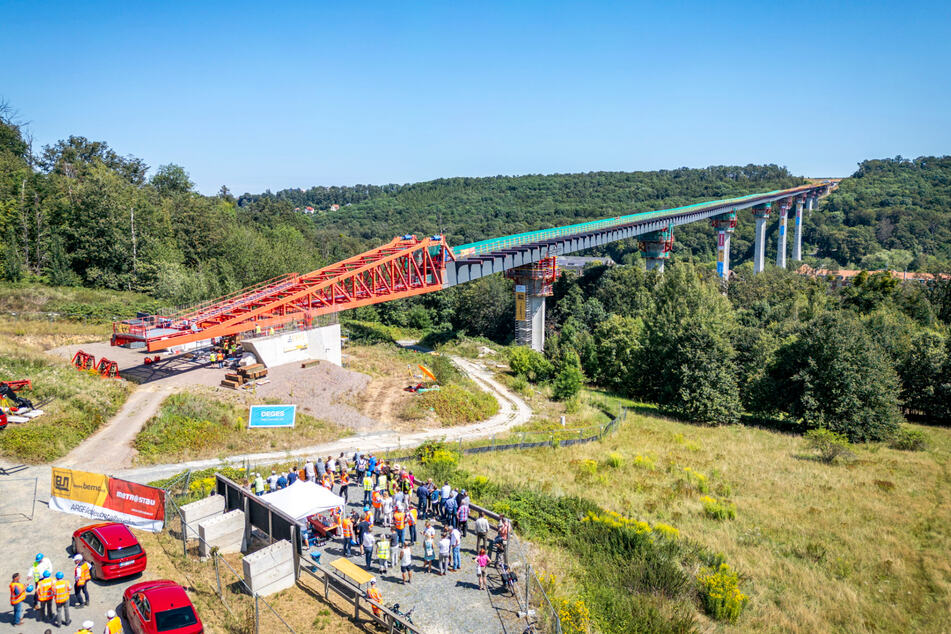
(195, 425)
(94, 304)
(855, 547)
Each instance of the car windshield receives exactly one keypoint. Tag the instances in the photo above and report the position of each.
(128, 551)
(175, 618)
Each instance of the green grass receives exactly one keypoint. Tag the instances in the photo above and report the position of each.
(192, 426)
(454, 404)
(81, 404)
(93, 304)
(858, 546)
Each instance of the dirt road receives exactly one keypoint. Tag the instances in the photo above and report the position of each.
(513, 411)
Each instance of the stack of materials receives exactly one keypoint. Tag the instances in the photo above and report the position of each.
(234, 380)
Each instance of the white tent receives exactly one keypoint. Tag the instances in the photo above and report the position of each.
(302, 499)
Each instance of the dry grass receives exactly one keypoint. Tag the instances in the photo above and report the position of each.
(46, 334)
(821, 547)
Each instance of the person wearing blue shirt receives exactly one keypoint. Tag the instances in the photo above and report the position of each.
(292, 476)
(282, 482)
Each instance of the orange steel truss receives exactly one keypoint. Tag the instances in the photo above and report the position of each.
(405, 267)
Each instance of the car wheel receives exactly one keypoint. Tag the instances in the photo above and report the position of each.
(72, 548)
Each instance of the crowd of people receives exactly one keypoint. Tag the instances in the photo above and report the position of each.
(403, 520)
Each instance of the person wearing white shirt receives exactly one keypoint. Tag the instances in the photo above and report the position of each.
(444, 549)
(455, 541)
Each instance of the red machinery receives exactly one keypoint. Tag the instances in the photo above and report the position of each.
(107, 369)
(406, 266)
(83, 361)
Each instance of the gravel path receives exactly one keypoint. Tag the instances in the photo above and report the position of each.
(513, 411)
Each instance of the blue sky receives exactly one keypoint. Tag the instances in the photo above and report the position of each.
(293, 94)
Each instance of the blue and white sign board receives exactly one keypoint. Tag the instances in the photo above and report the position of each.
(272, 416)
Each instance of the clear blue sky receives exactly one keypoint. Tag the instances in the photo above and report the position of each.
(293, 94)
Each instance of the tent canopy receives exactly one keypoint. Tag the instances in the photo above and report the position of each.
(302, 499)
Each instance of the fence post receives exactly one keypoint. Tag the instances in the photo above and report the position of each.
(184, 527)
(460, 444)
(218, 576)
(257, 621)
(528, 577)
(521, 440)
(493, 442)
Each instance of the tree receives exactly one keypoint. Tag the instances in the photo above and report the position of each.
(570, 379)
(834, 376)
(618, 353)
(171, 179)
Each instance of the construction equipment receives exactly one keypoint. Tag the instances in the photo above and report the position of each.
(84, 361)
(107, 369)
(8, 395)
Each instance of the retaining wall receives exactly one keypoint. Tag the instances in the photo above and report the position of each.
(270, 569)
(200, 510)
(226, 532)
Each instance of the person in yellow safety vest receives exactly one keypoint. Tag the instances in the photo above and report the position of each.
(86, 628)
(383, 552)
(17, 596)
(257, 329)
(61, 598)
(375, 594)
(81, 579)
(44, 598)
(367, 488)
(40, 565)
(113, 624)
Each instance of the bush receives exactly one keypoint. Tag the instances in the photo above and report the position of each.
(828, 445)
(717, 510)
(529, 363)
(696, 479)
(720, 593)
(369, 332)
(908, 439)
(614, 460)
(439, 460)
(574, 616)
(570, 380)
(644, 462)
(455, 404)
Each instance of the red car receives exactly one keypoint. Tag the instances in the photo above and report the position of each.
(111, 550)
(151, 607)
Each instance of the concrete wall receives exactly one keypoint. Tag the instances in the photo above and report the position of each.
(226, 532)
(317, 343)
(202, 509)
(270, 569)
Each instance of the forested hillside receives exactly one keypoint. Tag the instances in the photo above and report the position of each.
(891, 213)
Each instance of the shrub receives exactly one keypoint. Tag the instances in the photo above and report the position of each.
(908, 439)
(828, 445)
(529, 363)
(569, 380)
(574, 616)
(586, 468)
(644, 462)
(369, 332)
(696, 479)
(666, 530)
(614, 460)
(455, 404)
(717, 510)
(720, 593)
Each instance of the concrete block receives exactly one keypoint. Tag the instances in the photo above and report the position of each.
(270, 569)
(226, 532)
(202, 509)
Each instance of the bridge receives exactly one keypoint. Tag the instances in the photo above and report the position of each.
(408, 266)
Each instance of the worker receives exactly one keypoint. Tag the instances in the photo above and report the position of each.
(375, 594)
(327, 481)
(44, 597)
(258, 484)
(411, 519)
(17, 597)
(257, 329)
(377, 500)
(81, 578)
(383, 553)
(346, 529)
(61, 598)
(87, 628)
(399, 524)
(367, 488)
(367, 515)
(113, 623)
(40, 565)
(344, 484)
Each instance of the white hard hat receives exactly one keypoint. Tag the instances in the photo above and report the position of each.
(77, 557)
(111, 614)
(88, 625)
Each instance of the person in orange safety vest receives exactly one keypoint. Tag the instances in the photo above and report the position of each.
(81, 577)
(17, 597)
(375, 594)
(44, 598)
(61, 599)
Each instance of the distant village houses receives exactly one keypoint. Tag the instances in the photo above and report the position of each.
(576, 263)
(844, 277)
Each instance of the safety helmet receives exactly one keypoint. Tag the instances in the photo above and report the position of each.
(88, 625)
(39, 556)
(111, 614)
(77, 557)
(59, 575)
(46, 574)
(366, 508)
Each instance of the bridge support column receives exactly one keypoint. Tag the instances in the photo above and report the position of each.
(781, 238)
(656, 247)
(725, 224)
(761, 214)
(797, 238)
(532, 285)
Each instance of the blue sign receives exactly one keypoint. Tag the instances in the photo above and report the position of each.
(272, 416)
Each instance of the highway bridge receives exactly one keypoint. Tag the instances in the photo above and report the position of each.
(409, 266)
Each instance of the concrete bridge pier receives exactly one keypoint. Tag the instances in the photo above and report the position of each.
(532, 285)
(781, 238)
(761, 214)
(656, 247)
(725, 225)
(797, 238)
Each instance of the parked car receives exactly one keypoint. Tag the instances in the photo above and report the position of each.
(154, 607)
(111, 549)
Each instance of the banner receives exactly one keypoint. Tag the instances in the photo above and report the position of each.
(272, 416)
(519, 306)
(100, 497)
(295, 341)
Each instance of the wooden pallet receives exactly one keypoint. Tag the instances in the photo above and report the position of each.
(231, 384)
(311, 363)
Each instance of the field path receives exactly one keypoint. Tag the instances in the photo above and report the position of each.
(110, 449)
(513, 411)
